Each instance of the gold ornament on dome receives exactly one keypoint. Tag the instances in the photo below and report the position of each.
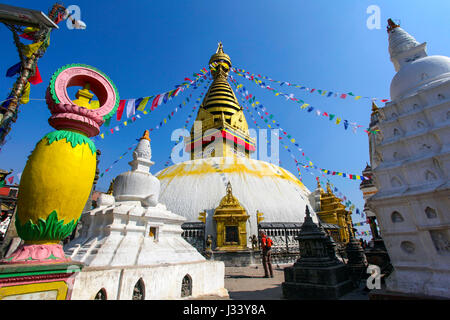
(229, 200)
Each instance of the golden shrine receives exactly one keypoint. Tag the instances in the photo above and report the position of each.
(224, 130)
(231, 219)
(333, 211)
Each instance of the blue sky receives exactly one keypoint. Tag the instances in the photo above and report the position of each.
(148, 47)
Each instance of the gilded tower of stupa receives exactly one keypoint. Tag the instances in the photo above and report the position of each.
(220, 115)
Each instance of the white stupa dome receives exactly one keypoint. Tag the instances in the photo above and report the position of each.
(415, 69)
(418, 74)
(194, 186)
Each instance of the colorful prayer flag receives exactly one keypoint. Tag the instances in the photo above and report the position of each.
(120, 109)
(131, 108)
(36, 78)
(25, 94)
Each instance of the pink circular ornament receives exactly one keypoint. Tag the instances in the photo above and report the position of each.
(67, 115)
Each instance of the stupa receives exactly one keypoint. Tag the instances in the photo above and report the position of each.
(222, 151)
(132, 248)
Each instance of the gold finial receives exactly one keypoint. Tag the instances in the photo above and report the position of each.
(229, 190)
(220, 57)
(318, 184)
(391, 25)
(219, 47)
(374, 107)
(146, 135)
(229, 200)
(329, 187)
(111, 186)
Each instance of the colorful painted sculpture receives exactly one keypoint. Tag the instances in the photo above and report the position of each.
(58, 176)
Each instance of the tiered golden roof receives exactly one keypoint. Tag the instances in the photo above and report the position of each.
(220, 97)
(220, 110)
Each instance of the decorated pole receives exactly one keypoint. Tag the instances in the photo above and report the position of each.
(59, 174)
(41, 39)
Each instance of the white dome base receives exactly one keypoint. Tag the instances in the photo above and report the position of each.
(194, 186)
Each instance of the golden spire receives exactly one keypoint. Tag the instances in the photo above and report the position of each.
(318, 184)
(111, 187)
(220, 56)
(219, 48)
(374, 107)
(146, 135)
(220, 110)
(391, 25)
(220, 98)
(229, 200)
(329, 188)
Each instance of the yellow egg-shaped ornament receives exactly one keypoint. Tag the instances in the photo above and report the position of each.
(55, 185)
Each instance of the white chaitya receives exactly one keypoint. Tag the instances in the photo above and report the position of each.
(194, 186)
(131, 242)
(411, 163)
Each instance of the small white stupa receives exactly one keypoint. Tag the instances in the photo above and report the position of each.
(132, 247)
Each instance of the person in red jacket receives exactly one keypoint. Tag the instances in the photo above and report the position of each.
(266, 244)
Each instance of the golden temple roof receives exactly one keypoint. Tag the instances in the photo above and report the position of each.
(229, 200)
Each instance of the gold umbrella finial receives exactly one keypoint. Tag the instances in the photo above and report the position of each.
(391, 25)
(219, 47)
(146, 135)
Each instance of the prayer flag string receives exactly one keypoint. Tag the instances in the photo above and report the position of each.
(163, 122)
(305, 106)
(325, 93)
(273, 124)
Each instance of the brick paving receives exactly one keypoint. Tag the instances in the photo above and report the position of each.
(248, 283)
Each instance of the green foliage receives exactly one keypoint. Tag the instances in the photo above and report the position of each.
(73, 138)
(49, 229)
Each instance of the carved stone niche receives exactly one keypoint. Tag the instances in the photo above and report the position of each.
(395, 182)
(420, 124)
(441, 241)
(396, 217)
(430, 176)
(408, 247)
(430, 213)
